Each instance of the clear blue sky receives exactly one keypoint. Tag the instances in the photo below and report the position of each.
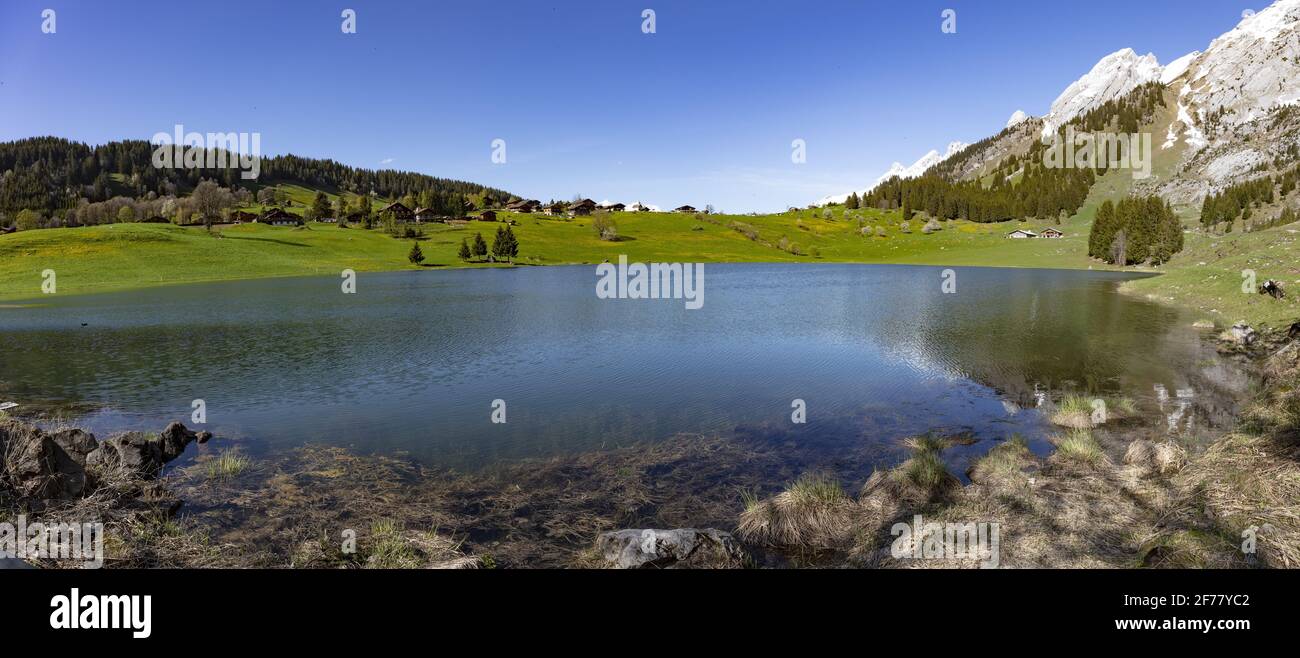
(701, 112)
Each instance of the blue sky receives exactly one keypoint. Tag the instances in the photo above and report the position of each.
(701, 112)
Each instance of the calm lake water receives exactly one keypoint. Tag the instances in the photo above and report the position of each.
(414, 360)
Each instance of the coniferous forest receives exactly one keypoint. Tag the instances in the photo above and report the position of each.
(1136, 230)
(1021, 186)
(49, 174)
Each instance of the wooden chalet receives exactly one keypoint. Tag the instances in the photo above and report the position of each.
(1051, 233)
(487, 216)
(583, 207)
(615, 207)
(278, 217)
(426, 215)
(556, 208)
(400, 212)
(686, 209)
(1021, 234)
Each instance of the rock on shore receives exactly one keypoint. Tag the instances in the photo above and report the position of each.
(686, 548)
(46, 466)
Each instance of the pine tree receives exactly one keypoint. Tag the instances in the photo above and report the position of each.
(364, 206)
(480, 248)
(319, 208)
(341, 208)
(464, 253)
(512, 244)
(416, 256)
(499, 245)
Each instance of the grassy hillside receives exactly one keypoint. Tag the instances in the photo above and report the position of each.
(1207, 276)
(120, 256)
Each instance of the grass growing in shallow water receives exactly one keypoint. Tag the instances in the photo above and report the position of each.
(390, 549)
(227, 465)
(1074, 411)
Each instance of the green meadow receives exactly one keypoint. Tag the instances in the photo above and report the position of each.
(121, 256)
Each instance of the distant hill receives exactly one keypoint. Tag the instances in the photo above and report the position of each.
(1219, 118)
(50, 173)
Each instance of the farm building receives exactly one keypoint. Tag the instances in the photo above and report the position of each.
(583, 207)
(400, 212)
(1021, 234)
(278, 217)
(1051, 233)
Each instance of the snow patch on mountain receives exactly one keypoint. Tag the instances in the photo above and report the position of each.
(1251, 68)
(1016, 117)
(1115, 75)
(1177, 67)
(1195, 138)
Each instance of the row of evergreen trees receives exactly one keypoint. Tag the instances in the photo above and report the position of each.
(1136, 230)
(505, 246)
(50, 173)
(1039, 192)
(1238, 201)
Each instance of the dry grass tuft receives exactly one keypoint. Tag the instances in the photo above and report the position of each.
(1189, 549)
(921, 480)
(392, 547)
(1004, 464)
(1249, 482)
(1079, 447)
(813, 513)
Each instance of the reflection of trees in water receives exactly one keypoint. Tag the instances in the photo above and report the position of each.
(1026, 333)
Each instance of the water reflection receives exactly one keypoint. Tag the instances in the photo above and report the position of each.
(413, 360)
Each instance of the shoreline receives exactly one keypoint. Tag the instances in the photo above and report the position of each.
(290, 507)
(37, 302)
